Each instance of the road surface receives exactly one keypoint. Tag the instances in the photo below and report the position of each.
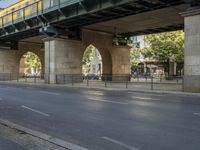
(105, 119)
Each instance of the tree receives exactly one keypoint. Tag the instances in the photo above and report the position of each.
(135, 55)
(87, 55)
(165, 47)
(32, 61)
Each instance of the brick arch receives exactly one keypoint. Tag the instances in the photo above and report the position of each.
(116, 59)
(106, 59)
(34, 48)
(102, 42)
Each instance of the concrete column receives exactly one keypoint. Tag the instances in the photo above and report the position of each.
(62, 57)
(120, 62)
(192, 51)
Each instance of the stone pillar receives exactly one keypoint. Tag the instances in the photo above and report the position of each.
(192, 51)
(9, 65)
(121, 67)
(9, 61)
(62, 59)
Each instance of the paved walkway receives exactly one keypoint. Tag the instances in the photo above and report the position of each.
(6, 144)
(134, 84)
(139, 87)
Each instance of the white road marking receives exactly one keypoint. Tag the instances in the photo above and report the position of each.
(107, 101)
(197, 114)
(148, 94)
(51, 93)
(120, 143)
(142, 98)
(99, 93)
(36, 111)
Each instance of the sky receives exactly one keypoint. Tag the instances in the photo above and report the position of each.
(5, 3)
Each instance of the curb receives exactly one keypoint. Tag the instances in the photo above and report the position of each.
(57, 86)
(48, 138)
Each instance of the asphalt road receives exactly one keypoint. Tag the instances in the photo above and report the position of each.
(106, 120)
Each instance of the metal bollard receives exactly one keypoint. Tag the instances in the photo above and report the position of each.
(87, 82)
(105, 82)
(10, 76)
(138, 78)
(17, 77)
(152, 83)
(183, 85)
(34, 79)
(72, 80)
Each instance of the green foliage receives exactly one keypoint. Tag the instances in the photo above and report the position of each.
(135, 55)
(87, 55)
(165, 47)
(31, 60)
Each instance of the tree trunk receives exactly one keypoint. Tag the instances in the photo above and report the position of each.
(168, 65)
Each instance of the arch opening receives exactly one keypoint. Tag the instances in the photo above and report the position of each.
(30, 65)
(92, 64)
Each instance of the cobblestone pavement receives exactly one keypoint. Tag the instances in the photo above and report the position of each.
(11, 139)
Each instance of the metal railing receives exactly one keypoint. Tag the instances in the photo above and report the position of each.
(166, 83)
(33, 9)
(158, 82)
(20, 77)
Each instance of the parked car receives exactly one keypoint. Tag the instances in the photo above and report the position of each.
(92, 76)
(32, 75)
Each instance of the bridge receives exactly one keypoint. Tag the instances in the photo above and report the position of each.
(71, 15)
(64, 28)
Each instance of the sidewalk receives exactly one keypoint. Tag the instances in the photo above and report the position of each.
(118, 87)
(6, 144)
(15, 137)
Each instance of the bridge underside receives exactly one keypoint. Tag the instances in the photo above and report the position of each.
(162, 20)
(137, 17)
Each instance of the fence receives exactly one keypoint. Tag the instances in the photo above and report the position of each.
(15, 77)
(159, 82)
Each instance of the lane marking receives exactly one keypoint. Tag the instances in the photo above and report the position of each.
(36, 111)
(119, 143)
(51, 93)
(142, 98)
(196, 114)
(107, 101)
(95, 93)
(148, 94)
(99, 93)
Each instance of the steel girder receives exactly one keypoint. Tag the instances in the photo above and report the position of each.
(72, 15)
